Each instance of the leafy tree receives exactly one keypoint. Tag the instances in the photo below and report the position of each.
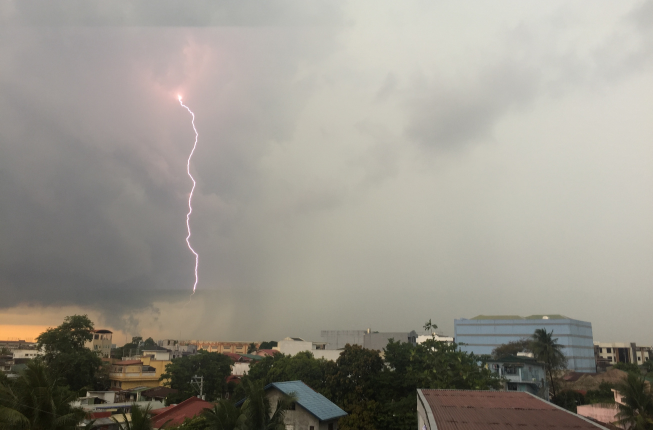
(5, 351)
(627, 367)
(214, 367)
(66, 354)
(251, 348)
(636, 412)
(603, 394)
(268, 345)
(37, 401)
(149, 343)
(224, 416)
(260, 413)
(140, 419)
(547, 350)
(512, 348)
(279, 368)
(569, 400)
(648, 366)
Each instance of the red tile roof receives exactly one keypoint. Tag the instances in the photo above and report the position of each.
(497, 410)
(177, 414)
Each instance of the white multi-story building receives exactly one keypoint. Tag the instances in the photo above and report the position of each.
(26, 353)
(620, 352)
(293, 345)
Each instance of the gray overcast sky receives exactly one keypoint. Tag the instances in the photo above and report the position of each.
(360, 164)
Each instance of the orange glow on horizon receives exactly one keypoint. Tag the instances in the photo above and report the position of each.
(23, 332)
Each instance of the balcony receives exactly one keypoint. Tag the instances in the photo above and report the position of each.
(133, 375)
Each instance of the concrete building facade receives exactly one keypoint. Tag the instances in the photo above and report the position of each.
(337, 339)
(101, 342)
(482, 334)
(619, 352)
(379, 340)
(294, 345)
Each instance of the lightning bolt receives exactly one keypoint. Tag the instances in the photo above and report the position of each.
(190, 197)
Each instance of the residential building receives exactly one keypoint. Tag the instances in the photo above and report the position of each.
(210, 346)
(177, 348)
(521, 374)
(16, 344)
(312, 411)
(175, 415)
(101, 342)
(294, 345)
(25, 353)
(128, 374)
(615, 352)
(469, 409)
(482, 334)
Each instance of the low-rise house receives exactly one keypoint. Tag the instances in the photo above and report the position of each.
(128, 374)
(26, 353)
(468, 409)
(521, 374)
(295, 345)
(312, 411)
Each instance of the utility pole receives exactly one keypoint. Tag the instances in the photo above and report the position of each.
(198, 383)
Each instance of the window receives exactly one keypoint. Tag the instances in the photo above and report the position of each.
(610, 358)
(292, 407)
(608, 350)
(600, 349)
(311, 428)
(639, 358)
(330, 426)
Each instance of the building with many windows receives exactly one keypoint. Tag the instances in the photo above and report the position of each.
(482, 334)
(101, 342)
(615, 352)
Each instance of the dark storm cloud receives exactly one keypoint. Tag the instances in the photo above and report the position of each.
(447, 117)
(93, 185)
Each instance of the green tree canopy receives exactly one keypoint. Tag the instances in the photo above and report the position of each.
(66, 354)
(214, 367)
(636, 412)
(37, 401)
(268, 344)
(512, 348)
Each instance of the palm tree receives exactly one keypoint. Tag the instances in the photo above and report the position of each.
(636, 412)
(140, 419)
(36, 401)
(258, 411)
(547, 350)
(224, 416)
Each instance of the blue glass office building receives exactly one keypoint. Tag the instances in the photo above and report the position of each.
(482, 334)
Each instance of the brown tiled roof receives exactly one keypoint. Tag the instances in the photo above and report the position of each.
(159, 392)
(497, 410)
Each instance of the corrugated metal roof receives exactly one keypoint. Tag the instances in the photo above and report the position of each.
(314, 402)
(462, 409)
(517, 317)
(176, 415)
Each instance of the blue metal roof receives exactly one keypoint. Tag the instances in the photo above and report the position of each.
(314, 402)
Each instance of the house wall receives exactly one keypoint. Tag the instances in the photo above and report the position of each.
(606, 413)
(25, 353)
(483, 335)
(240, 369)
(300, 418)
